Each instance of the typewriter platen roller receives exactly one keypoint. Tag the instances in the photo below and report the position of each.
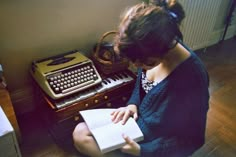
(65, 74)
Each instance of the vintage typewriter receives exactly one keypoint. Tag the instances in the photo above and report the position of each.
(65, 74)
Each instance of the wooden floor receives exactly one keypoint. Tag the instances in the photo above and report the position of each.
(220, 61)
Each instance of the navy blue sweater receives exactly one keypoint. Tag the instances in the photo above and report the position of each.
(172, 115)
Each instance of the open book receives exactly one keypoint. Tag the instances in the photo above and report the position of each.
(108, 134)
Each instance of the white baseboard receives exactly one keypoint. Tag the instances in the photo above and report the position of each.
(216, 36)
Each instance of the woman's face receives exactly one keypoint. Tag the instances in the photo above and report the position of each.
(148, 63)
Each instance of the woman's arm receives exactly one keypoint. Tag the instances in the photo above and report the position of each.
(135, 96)
(123, 113)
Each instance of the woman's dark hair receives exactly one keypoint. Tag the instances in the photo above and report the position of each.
(147, 31)
(173, 6)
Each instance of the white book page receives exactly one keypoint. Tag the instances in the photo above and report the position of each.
(109, 137)
(95, 118)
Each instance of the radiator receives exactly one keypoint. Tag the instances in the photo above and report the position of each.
(198, 25)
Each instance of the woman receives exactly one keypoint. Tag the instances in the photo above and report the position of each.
(170, 98)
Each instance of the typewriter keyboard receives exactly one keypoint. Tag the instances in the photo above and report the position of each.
(73, 78)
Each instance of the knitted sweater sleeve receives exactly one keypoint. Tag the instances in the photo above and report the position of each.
(170, 148)
(135, 96)
(175, 131)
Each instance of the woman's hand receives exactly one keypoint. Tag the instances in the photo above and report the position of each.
(131, 147)
(123, 113)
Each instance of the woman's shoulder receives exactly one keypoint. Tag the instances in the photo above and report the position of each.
(193, 58)
(191, 68)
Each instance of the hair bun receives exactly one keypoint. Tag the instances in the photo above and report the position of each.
(173, 16)
(173, 7)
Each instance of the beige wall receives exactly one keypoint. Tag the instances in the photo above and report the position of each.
(33, 29)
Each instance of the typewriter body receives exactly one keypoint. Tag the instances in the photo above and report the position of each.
(65, 74)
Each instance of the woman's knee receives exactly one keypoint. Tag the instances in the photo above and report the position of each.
(80, 132)
(84, 142)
